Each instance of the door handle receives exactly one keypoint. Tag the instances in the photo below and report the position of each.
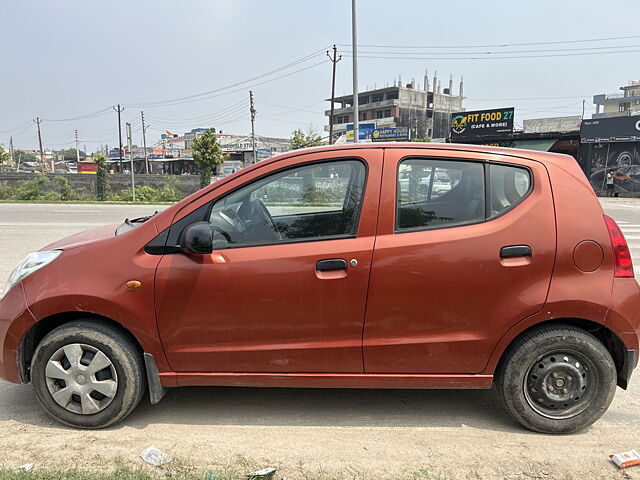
(515, 251)
(331, 264)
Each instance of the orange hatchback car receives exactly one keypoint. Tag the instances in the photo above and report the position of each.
(356, 266)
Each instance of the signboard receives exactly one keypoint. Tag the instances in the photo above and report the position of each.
(614, 129)
(365, 131)
(482, 123)
(235, 144)
(391, 134)
(263, 153)
(114, 154)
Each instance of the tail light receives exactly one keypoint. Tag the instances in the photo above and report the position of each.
(622, 264)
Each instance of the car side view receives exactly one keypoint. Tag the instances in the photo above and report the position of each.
(391, 265)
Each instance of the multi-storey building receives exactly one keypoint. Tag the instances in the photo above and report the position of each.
(618, 104)
(426, 111)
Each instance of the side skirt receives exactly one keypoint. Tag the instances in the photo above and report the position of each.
(327, 380)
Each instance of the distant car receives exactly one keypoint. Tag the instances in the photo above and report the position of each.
(354, 266)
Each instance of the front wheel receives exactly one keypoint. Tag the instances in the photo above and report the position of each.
(557, 379)
(87, 375)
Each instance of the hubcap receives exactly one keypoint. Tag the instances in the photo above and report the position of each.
(81, 379)
(560, 384)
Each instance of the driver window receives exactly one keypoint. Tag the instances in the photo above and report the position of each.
(303, 203)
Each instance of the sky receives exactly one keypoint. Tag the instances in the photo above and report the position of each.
(69, 62)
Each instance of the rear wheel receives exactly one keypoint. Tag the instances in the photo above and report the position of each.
(88, 375)
(557, 379)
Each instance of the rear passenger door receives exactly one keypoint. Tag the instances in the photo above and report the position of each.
(465, 249)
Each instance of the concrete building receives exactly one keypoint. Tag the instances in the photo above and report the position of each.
(618, 104)
(426, 111)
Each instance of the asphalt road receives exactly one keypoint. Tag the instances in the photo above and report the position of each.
(308, 433)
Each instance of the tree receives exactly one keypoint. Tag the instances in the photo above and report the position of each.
(207, 155)
(101, 177)
(300, 139)
(69, 154)
(22, 157)
(5, 157)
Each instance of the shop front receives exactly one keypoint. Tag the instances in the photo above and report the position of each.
(612, 145)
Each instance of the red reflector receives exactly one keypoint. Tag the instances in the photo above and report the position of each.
(622, 265)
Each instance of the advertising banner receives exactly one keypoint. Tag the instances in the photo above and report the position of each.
(391, 134)
(614, 129)
(365, 131)
(481, 123)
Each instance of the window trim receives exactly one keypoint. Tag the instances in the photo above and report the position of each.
(212, 203)
(486, 167)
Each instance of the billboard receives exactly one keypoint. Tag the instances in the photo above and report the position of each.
(482, 123)
(614, 129)
(390, 134)
(365, 131)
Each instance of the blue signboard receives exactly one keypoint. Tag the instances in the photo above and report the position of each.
(365, 131)
(391, 134)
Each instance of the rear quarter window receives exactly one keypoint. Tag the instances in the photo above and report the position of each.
(509, 185)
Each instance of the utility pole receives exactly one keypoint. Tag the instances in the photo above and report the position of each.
(583, 108)
(144, 144)
(252, 110)
(77, 147)
(133, 184)
(119, 110)
(354, 47)
(334, 60)
(13, 159)
(38, 122)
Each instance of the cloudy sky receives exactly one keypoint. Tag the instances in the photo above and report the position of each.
(191, 63)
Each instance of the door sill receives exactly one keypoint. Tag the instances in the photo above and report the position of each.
(327, 380)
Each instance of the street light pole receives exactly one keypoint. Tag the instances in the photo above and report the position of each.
(354, 47)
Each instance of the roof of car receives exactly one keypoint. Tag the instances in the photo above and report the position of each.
(545, 157)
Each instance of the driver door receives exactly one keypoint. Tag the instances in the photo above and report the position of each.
(286, 286)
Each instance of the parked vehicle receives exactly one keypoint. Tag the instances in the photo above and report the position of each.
(356, 266)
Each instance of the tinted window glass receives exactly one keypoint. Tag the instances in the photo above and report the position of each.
(508, 185)
(433, 193)
(309, 202)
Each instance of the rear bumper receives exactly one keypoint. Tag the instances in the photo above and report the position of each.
(623, 318)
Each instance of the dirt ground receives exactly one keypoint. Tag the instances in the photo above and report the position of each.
(346, 434)
(307, 434)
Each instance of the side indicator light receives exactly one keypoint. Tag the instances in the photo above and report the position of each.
(133, 284)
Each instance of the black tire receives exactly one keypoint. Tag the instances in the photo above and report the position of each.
(556, 379)
(126, 371)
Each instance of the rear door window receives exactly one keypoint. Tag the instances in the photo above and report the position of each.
(438, 193)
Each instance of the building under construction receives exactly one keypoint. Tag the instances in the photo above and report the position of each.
(426, 111)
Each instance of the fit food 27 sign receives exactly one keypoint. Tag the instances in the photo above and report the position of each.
(482, 123)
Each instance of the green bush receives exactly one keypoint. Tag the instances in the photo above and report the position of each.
(31, 189)
(6, 191)
(64, 189)
(169, 191)
(143, 194)
(315, 195)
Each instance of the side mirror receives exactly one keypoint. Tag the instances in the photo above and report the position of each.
(197, 239)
